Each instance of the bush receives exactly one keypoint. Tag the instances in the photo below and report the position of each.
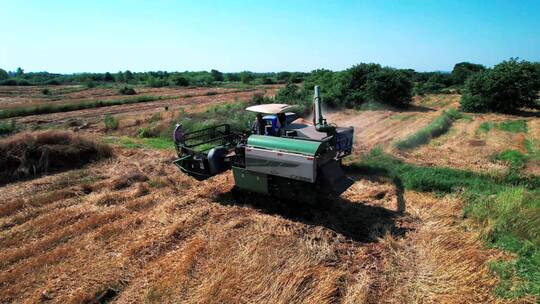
(148, 132)
(3, 74)
(46, 91)
(290, 94)
(111, 122)
(155, 82)
(15, 82)
(246, 77)
(267, 80)
(8, 128)
(127, 91)
(505, 88)
(180, 81)
(389, 86)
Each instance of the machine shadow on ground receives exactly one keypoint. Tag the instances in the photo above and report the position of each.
(356, 220)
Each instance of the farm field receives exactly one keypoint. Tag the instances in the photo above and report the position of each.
(133, 229)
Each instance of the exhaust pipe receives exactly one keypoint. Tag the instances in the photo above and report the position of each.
(318, 119)
(317, 108)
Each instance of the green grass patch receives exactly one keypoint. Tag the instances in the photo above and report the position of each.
(55, 108)
(513, 126)
(158, 143)
(506, 209)
(436, 128)
(486, 126)
(514, 158)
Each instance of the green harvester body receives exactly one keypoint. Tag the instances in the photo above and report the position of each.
(280, 156)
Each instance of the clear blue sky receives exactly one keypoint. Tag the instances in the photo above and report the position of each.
(98, 36)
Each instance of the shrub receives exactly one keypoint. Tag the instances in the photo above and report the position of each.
(436, 128)
(8, 128)
(217, 75)
(46, 91)
(111, 122)
(506, 87)
(3, 74)
(389, 86)
(290, 94)
(148, 132)
(257, 99)
(53, 82)
(30, 154)
(15, 82)
(180, 81)
(232, 77)
(155, 82)
(267, 80)
(125, 90)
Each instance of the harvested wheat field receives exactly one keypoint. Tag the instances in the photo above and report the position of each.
(132, 228)
(129, 227)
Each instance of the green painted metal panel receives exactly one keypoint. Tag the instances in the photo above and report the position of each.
(306, 147)
(251, 181)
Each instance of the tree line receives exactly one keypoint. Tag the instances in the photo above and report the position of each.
(507, 87)
(152, 79)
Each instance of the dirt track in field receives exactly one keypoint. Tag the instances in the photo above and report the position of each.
(134, 229)
(143, 107)
(13, 97)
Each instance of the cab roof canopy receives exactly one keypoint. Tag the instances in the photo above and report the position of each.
(271, 108)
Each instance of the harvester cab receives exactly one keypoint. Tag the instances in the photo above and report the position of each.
(282, 155)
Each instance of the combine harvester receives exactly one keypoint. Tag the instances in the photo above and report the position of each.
(281, 156)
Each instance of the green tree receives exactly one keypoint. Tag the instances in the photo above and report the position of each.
(108, 77)
(3, 74)
(359, 75)
(19, 72)
(120, 77)
(246, 77)
(232, 77)
(464, 70)
(289, 94)
(180, 81)
(507, 87)
(128, 75)
(389, 86)
(283, 76)
(217, 75)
